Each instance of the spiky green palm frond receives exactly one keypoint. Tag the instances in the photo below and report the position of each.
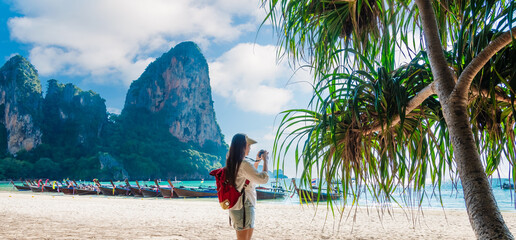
(332, 138)
(312, 30)
(334, 147)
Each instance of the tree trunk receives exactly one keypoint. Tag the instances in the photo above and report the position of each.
(484, 215)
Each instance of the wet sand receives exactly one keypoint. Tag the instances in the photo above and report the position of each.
(27, 215)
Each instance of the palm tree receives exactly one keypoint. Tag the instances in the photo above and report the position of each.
(391, 126)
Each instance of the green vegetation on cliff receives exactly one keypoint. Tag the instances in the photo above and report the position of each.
(24, 81)
(146, 149)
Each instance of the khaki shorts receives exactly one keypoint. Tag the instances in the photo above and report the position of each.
(237, 217)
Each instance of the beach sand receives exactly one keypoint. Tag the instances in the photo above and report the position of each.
(30, 215)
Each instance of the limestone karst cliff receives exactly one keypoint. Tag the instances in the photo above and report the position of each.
(176, 87)
(71, 115)
(20, 105)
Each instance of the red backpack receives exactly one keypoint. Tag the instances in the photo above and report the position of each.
(228, 195)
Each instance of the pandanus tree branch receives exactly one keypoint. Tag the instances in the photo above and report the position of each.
(412, 104)
(422, 96)
(463, 84)
(469, 73)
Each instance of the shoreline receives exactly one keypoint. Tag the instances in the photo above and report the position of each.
(46, 216)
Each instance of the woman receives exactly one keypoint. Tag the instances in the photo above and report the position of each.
(238, 170)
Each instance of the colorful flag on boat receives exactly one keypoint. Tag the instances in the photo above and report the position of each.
(314, 181)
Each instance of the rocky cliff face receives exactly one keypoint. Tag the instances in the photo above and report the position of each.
(20, 104)
(177, 87)
(72, 115)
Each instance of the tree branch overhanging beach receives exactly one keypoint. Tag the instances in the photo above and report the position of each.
(375, 123)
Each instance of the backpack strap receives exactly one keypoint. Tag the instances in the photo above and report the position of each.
(243, 198)
(243, 206)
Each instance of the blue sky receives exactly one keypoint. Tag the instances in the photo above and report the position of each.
(105, 45)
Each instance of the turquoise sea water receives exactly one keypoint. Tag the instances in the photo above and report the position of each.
(452, 197)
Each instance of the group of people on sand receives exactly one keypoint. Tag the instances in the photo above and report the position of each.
(239, 169)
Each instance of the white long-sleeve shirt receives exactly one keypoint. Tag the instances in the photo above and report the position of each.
(247, 171)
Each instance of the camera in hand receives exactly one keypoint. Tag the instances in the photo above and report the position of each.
(261, 152)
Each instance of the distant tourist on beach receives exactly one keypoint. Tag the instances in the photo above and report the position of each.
(238, 170)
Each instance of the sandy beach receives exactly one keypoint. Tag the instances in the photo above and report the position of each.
(27, 215)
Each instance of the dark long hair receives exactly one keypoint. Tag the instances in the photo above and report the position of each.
(235, 156)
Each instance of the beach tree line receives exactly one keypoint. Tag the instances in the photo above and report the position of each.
(405, 92)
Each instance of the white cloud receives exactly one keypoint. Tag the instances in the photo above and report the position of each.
(249, 75)
(116, 111)
(269, 136)
(263, 99)
(116, 37)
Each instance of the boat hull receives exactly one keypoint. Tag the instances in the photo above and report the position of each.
(36, 189)
(168, 193)
(50, 189)
(22, 188)
(185, 192)
(150, 193)
(123, 191)
(136, 192)
(85, 192)
(311, 196)
(77, 191)
(266, 194)
(108, 191)
(67, 191)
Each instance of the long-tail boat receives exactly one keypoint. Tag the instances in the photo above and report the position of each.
(135, 191)
(122, 190)
(168, 192)
(270, 193)
(37, 187)
(68, 188)
(29, 182)
(151, 191)
(49, 188)
(195, 191)
(44, 187)
(52, 187)
(75, 189)
(508, 186)
(108, 191)
(84, 189)
(23, 187)
(312, 196)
